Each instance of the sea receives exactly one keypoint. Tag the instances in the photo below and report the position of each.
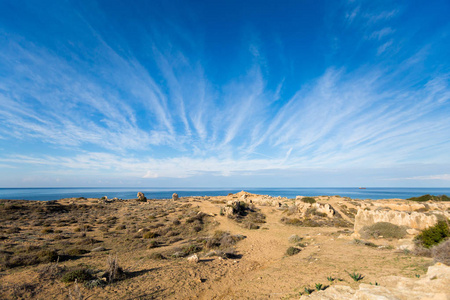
(47, 194)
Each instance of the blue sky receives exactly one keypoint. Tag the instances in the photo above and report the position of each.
(224, 93)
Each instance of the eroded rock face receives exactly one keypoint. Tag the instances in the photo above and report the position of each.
(415, 220)
(320, 208)
(434, 285)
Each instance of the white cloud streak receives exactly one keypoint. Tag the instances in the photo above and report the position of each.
(129, 112)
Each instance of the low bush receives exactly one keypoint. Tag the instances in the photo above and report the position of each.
(433, 235)
(383, 229)
(292, 251)
(80, 275)
(156, 256)
(428, 197)
(222, 239)
(441, 252)
(308, 200)
(77, 252)
(295, 238)
(149, 235)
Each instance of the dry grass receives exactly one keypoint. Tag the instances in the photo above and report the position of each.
(383, 229)
(441, 252)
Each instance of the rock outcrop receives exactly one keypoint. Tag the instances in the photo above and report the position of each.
(434, 285)
(174, 196)
(320, 208)
(141, 197)
(415, 220)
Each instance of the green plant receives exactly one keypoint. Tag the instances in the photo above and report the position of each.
(355, 276)
(330, 278)
(149, 235)
(308, 291)
(433, 235)
(428, 197)
(319, 286)
(79, 275)
(292, 251)
(308, 200)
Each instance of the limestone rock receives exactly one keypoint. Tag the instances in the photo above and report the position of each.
(174, 196)
(193, 258)
(320, 208)
(434, 285)
(141, 197)
(415, 220)
(227, 210)
(406, 244)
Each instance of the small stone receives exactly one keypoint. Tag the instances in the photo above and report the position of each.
(98, 249)
(193, 258)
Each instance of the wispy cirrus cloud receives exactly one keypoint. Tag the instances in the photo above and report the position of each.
(152, 109)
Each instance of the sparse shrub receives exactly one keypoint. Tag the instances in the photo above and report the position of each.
(46, 256)
(79, 275)
(433, 235)
(309, 200)
(191, 249)
(319, 286)
(295, 238)
(292, 251)
(94, 283)
(428, 197)
(383, 229)
(156, 256)
(87, 241)
(149, 235)
(222, 239)
(250, 225)
(77, 251)
(441, 252)
(153, 244)
(360, 242)
(114, 271)
(291, 221)
(47, 230)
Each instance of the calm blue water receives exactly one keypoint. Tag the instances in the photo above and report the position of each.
(152, 193)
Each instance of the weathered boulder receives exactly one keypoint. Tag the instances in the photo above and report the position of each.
(434, 285)
(415, 220)
(141, 197)
(227, 211)
(174, 196)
